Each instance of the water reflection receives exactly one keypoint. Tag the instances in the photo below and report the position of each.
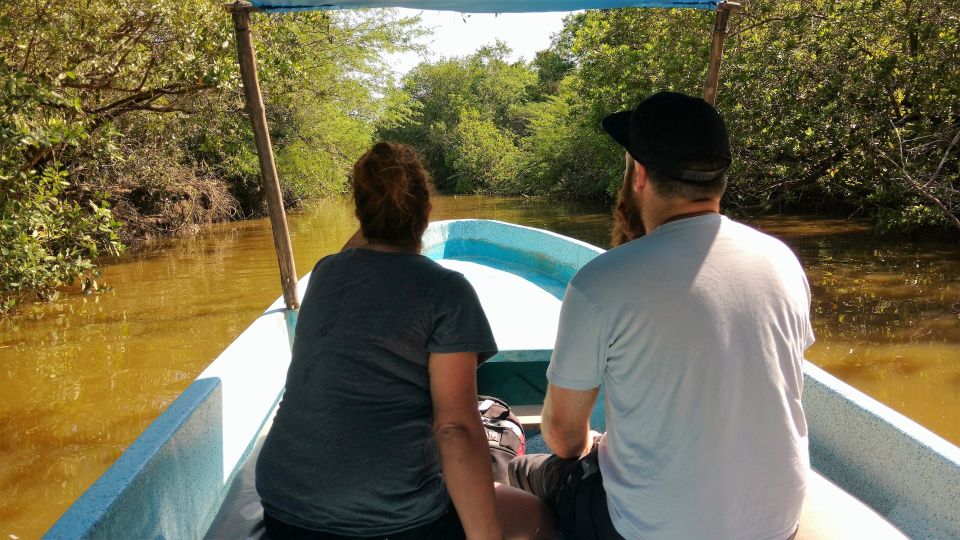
(82, 377)
(886, 315)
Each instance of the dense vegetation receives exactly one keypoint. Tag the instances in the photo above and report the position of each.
(120, 120)
(849, 106)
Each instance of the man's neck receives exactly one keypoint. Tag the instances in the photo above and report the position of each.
(687, 215)
(659, 212)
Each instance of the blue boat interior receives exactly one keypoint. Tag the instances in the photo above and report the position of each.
(520, 275)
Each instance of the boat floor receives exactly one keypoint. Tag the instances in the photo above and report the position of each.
(522, 314)
(829, 512)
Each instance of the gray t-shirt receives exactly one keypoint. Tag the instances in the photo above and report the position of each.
(697, 332)
(351, 450)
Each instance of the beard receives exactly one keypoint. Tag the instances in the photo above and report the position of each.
(627, 223)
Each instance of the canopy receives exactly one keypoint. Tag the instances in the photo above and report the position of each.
(486, 6)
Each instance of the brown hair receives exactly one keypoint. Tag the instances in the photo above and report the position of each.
(391, 190)
(627, 224)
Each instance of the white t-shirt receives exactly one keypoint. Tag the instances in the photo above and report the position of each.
(697, 332)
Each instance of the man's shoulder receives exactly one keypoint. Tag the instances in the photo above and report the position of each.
(753, 238)
(660, 254)
(738, 227)
(608, 265)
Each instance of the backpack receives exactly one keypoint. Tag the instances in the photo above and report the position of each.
(504, 435)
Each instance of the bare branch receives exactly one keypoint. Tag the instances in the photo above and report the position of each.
(921, 189)
(144, 98)
(946, 155)
(133, 41)
(896, 132)
(146, 72)
(769, 20)
(158, 109)
(33, 36)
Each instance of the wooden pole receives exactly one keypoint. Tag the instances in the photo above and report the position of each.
(716, 50)
(268, 168)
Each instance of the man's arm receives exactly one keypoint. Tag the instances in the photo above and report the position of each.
(565, 421)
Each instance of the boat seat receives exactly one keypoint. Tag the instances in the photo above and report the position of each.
(529, 416)
(829, 512)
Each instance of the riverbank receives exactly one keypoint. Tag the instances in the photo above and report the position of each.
(84, 375)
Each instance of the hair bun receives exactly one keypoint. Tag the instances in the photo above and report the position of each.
(391, 190)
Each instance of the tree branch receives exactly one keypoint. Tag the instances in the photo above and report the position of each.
(142, 99)
(33, 35)
(917, 186)
(953, 143)
(112, 72)
(763, 22)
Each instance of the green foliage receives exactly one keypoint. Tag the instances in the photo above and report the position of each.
(45, 239)
(133, 112)
(323, 75)
(564, 156)
(847, 106)
(465, 115)
(483, 156)
(837, 90)
(820, 97)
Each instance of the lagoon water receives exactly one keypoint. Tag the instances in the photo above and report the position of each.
(81, 377)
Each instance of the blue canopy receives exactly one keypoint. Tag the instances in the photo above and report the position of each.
(488, 6)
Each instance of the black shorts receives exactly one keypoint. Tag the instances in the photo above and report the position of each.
(572, 488)
(445, 527)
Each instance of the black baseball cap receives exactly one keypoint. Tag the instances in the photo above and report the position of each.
(667, 131)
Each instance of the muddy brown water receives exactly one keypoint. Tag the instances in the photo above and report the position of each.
(81, 377)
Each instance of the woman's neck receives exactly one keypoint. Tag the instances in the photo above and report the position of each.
(388, 248)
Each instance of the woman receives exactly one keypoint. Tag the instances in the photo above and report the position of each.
(378, 434)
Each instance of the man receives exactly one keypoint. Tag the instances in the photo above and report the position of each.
(697, 332)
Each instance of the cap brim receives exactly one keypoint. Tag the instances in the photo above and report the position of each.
(617, 125)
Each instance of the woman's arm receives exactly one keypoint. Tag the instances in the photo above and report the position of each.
(464, 451)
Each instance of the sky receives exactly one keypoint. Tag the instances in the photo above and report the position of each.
(457, 34)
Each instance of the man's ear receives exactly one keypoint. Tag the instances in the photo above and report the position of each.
(639, 177)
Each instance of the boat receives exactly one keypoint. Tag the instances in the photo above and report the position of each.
(876, 473)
